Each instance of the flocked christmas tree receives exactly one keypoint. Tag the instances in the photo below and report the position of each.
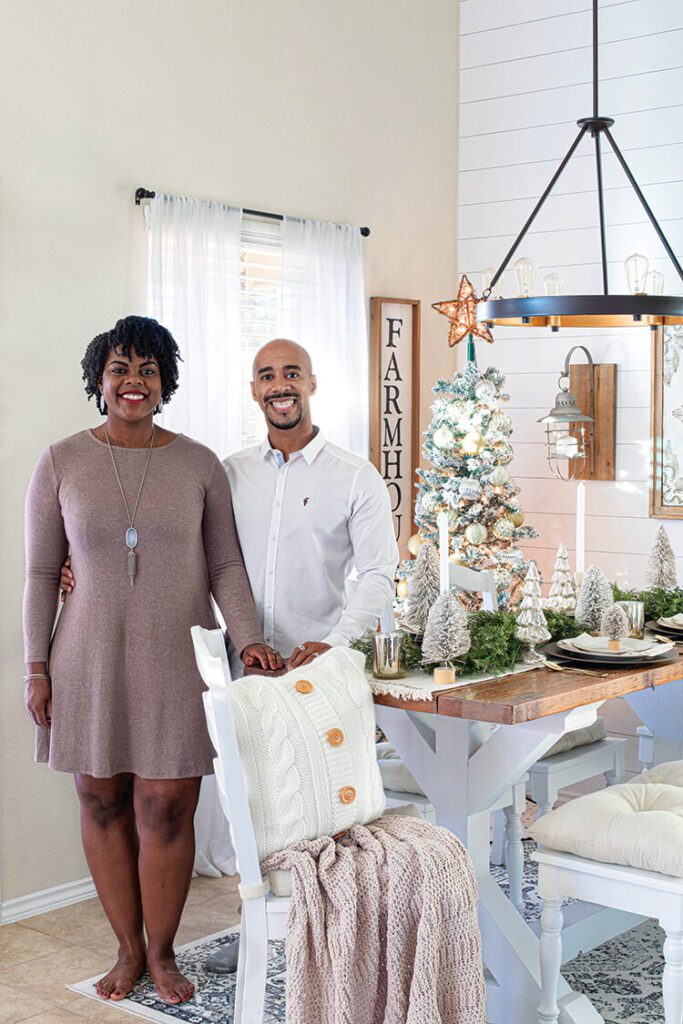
(594, 599)
(531, 626)
(468, 445)
(614, 625)
(562, 596)
(424, 589)
(661, 565)
(446, 634)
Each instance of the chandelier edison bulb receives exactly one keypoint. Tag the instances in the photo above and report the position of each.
(487, 277)
(654, 283)
(636, 267)
(525, 272)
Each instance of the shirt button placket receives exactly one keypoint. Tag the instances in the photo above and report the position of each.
(271, 559)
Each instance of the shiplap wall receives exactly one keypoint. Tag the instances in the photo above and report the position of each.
(525, 80)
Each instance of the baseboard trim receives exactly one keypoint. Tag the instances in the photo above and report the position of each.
(44, 900)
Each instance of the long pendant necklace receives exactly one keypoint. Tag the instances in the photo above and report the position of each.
(131, 532)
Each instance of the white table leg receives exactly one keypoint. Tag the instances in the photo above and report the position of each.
(661, 710)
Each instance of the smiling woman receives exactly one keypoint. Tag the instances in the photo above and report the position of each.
(115, 692)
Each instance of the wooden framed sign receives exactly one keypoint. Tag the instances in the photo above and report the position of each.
(666, 488)
(395, 405)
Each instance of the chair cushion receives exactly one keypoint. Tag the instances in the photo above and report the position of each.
(281, 880)
(670, 773)
(307, 747)
(578, 738)
(395, 775)
(633, 824)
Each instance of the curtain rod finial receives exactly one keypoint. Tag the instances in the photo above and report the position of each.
(143, 193)
(365, 232)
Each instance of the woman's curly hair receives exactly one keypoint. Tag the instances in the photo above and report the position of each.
(148, 338)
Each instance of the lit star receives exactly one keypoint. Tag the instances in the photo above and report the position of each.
(462, 313)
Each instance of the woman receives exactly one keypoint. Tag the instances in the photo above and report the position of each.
(147, 517)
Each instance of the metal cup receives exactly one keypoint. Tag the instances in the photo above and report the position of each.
(635, 613)
(388, 656)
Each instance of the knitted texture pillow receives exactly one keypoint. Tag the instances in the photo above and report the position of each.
(307, 746)
(579, 738)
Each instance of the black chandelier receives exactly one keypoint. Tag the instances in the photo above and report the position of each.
(604, 310)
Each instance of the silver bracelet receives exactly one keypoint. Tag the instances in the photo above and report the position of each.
(36, 675)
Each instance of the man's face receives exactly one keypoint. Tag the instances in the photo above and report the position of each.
(283, 384)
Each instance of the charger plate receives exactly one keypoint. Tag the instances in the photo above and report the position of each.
(673, 634)
(626, 660)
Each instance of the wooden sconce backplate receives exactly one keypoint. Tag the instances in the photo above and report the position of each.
(605, 383)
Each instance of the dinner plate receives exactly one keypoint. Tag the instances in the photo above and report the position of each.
(600, 645)
(650, 651)
(656, 627)
(632, 661)
(673, 622)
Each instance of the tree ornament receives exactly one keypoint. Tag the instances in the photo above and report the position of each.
(531, 626)
(614, 625)
(505, 453)
(443, 437)
(402, 590)
(462, 312)
(446, 634)
(517, 518)
(499, 476)
(485, 392)
(415, 543)
(562, 596)
(661, 564)
(469, 488)
(501, 422)
(476, 533)
(456, 559)
(594, 599)
(423, 589)
(456, 410)
(473, 443)
(503, 529)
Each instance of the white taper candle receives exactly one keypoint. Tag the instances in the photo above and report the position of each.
(442, 523)
(581, 527)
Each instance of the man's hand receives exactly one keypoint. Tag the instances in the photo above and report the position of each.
(305, 653)
(67, 581)
(263, 656)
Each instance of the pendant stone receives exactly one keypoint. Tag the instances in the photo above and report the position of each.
(131, 537)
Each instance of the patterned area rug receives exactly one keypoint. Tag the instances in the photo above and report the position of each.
(623, 978)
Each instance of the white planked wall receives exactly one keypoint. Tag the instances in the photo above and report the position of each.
(525, 80)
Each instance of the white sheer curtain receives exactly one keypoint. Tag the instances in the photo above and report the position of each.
(193, 288)
(323, 308)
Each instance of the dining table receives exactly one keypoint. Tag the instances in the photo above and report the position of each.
(468, 745)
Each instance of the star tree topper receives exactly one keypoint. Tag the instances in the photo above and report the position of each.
(462, 313)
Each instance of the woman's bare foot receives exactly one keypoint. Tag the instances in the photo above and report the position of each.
(172, 986)
(122, 977)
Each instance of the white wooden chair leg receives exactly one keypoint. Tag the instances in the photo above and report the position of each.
(646, 747)
(514, 855)
(617, 774)
(551, 960)
(672, 982)
(498, 845)
(252, 964)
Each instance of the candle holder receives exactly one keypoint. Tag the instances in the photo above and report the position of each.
(635, 615)
(388, 656)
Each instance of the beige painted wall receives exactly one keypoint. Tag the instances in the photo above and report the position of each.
(337, 111)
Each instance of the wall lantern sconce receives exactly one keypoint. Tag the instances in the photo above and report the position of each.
(580, 433)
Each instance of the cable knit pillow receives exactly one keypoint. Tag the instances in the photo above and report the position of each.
(307, 745)
(579, 738)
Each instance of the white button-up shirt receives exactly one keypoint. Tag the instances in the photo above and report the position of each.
(304, 525)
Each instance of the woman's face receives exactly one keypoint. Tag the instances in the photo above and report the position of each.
(131, 386)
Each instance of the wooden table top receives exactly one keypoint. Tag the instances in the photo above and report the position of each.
(538, 693)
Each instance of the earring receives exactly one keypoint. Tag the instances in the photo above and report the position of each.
(159, 408)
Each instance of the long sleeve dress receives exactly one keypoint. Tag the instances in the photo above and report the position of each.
(126, 693)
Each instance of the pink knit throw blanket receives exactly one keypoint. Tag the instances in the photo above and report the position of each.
(382, 927)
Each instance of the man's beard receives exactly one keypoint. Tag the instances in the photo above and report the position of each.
(290, 424)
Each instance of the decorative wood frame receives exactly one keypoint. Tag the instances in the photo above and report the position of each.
(658, 508)
(605, 411)
(395, 406)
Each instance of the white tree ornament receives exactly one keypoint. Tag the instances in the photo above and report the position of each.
(614, 625)
(424, 589)
(531, 626)
(594, 599)
(562, 596)
(661, 565)
(446, 634)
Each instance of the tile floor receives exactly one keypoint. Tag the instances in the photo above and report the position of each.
(40, 955)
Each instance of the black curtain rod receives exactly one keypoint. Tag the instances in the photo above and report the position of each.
(144, 193)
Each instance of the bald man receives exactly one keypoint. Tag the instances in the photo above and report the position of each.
(307, 513)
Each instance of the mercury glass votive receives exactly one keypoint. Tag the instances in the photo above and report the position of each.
(388, 655)
(635, 613)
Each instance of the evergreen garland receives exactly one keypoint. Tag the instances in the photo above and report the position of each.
(659, 602)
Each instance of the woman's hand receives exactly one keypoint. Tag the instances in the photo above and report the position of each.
(38, 699)
(263, 655)
(67, 580)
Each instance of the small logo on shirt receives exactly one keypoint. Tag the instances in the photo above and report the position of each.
(306, 502)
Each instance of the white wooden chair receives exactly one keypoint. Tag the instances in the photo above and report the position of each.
(562, 876)
(264, 916)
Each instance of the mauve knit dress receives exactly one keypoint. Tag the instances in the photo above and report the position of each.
(126, 693)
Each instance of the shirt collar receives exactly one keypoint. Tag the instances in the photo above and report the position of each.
(309, 453)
